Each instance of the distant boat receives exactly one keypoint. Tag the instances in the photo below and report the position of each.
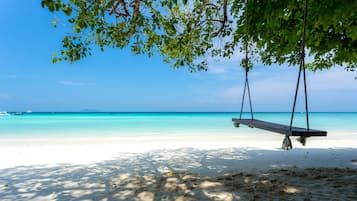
(18, 113)
(28, 111)
(3, 113)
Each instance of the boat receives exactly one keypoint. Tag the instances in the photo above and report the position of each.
(4, 113)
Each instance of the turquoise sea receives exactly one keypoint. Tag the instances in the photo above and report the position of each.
(157, 124)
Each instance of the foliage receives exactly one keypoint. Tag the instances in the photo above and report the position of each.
(185, 32)
(181, 32)
(275, 28)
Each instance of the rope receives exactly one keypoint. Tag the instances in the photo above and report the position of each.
(302, 68)
(246, 89)
(250, 100)
(303, 65)
(246, 83)
(296, 92)
(241, 108)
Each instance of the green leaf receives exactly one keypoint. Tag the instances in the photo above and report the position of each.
(186, 33)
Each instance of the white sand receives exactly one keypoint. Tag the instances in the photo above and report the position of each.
(85, 150)
(85, 168)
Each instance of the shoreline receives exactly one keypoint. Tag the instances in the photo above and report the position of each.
(254, 139)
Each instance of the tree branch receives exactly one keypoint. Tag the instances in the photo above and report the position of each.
(221, 21)
(225, 19)
(136, 12)
(115, 9)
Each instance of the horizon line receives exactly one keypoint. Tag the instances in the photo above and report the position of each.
(177, 112)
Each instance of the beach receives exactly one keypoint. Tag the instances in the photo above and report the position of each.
(178, 100)
(191, 162)
(178, 168)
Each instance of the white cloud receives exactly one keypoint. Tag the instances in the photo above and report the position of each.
(285, 82)
(225, 65)
(333, 79)
(4, 96)
(233, 92)
(276, 86)
(71, 83)
(278, 91)
(216, 69)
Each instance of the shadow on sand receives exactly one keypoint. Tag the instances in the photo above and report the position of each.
(192, 174)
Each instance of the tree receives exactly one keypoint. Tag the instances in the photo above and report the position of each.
(275, 28)
(185, 32)
(181, 32)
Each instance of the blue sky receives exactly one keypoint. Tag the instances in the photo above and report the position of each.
(117, 80)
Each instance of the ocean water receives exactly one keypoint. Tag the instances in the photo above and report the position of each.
(157, 124)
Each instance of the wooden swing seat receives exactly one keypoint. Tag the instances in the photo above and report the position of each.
(279, 128)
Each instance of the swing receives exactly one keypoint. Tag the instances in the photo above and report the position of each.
(287, 130)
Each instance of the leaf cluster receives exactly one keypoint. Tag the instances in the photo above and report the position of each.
(275, 28)
(181, 31)
(185, 32)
